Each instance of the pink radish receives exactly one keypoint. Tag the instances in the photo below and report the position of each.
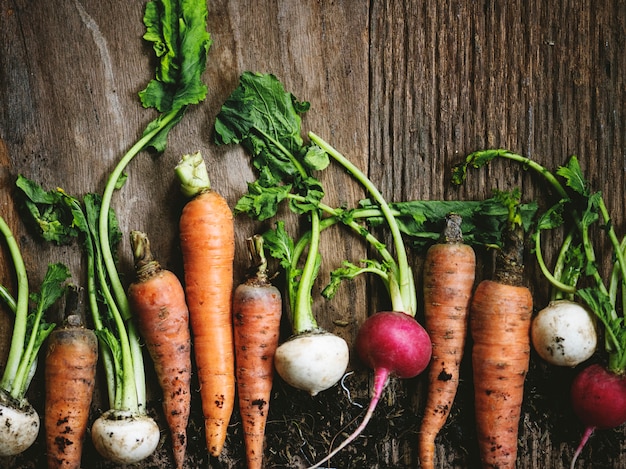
(392, 344)
(599, 401)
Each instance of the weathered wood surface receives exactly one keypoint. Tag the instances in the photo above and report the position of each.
(404, 88)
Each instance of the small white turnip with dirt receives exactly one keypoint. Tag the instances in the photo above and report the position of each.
(564, 333)
(312, 361)
(125, 437)
(20, 424)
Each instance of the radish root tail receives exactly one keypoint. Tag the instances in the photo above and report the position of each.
(581, 445)
(380, 380)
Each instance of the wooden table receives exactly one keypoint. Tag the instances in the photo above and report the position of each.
(405, 89)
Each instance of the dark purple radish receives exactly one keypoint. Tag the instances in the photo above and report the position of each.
(599, 401)
(392, 344)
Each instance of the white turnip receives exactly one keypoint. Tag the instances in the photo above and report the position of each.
(313, 361)
(125, 437)
(20, 424)
(564, 333)
(392, 344)
(599, 401)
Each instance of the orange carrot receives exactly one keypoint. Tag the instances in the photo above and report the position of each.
(157, 299)
(449, 272)
(257, 309)
(500, 315)
(70, 376)
(208, 248)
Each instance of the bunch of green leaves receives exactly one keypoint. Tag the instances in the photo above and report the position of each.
(74, 220)
(483, 223)
(262, 117)
(577, 211)
(266, 120)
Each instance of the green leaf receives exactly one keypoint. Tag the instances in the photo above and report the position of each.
(552, 217)
(316, 158)
(177, 30)
(573, 176)
(52, 286)
(600, 303)
(48, 212)
(349, 271)
(477, 160)
(265, 119)
(484, 221)
(312, 191)
(279, 244)
(262, 203)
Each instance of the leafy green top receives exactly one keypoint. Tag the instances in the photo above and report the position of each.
(577, 210)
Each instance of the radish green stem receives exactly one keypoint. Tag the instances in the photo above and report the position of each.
(402, 283)
(553, 279)
(558, 268)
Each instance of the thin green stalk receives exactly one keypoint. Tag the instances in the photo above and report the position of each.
(403, 293)
(617, 249)
(6, 296)
(21, 375)
(132, 359)
(103, 222)
(303, 318)
(336, 218)
(21, 310)
(126, 395)
(553, 279)
(542, 170)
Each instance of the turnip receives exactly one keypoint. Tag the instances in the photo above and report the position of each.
(564, 333)
(312, 361)
(19, 422)
(125, 437)
(392, 344)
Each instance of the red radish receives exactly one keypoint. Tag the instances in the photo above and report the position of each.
(392, 344)
(599, 401)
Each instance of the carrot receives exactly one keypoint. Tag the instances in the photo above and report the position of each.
(449, 272)
(257, 308)
(208, 248)
(70, 376)
(157, 299)
(500, 316)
